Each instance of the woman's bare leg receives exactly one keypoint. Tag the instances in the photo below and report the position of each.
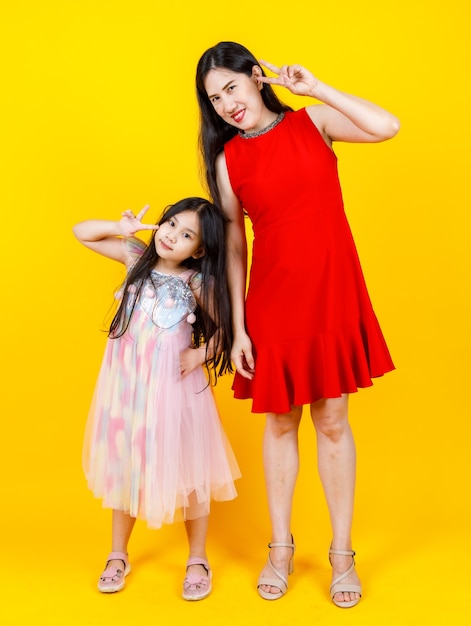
(337, 468)
(281, 465)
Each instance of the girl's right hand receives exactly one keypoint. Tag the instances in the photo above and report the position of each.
(242, 356)
(130, 224)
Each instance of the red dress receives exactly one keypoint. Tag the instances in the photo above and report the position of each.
(308, 313)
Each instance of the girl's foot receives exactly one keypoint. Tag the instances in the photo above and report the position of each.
(197, 583)
(113, 576)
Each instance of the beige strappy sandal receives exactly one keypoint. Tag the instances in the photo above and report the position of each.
(280, 581)
(338, 587)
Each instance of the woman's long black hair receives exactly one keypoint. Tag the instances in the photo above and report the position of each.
(214, 131)
(213, 317)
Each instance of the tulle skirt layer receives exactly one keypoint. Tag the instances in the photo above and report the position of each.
(154, 445)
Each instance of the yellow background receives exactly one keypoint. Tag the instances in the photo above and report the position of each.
(99, 115)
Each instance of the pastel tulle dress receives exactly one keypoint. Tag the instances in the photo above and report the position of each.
(153, 439)
(308, 313)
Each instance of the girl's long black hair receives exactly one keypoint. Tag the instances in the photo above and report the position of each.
(214, 131)
(213, 317)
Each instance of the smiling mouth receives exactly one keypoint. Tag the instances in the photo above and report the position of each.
(238, 116)
(164, 245)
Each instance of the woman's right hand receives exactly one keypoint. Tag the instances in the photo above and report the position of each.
(242, 356)
(296, 78)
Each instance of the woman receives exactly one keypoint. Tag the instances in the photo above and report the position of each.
(307, 333)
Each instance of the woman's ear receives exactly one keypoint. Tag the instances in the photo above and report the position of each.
(256, 73)
(198, 254)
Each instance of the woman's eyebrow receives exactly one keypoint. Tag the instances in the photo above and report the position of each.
(224, 88)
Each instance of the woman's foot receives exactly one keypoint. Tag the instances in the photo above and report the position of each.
(197, 583)
(273, 580)
(345, 589)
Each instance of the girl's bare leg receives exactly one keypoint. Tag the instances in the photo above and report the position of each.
(196, 532)
(122, 525)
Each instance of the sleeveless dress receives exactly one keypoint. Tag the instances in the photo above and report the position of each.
(154, 439)
(308, 313)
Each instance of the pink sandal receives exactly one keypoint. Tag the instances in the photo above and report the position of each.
(196, 587)
(113, 578)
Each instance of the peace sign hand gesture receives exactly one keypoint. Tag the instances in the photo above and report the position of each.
(296, 78)
(130, 224)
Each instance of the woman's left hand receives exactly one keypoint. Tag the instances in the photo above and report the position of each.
(296, 78)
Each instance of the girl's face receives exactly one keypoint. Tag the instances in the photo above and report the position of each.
(179, 238)
(236, 98)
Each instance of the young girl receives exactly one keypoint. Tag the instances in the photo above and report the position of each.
(307, 332)
(154, 447)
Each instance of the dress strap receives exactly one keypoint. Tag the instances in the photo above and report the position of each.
(187, 275)
(192, 278)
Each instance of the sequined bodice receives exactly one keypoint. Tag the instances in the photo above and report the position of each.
(166, 299)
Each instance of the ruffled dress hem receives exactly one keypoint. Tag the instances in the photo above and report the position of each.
(326, 366)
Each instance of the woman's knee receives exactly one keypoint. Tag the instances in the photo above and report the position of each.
(330, 417)
(281, 424)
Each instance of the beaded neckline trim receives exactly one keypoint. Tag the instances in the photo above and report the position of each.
(265, 130)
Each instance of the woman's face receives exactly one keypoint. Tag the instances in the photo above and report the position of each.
(236, 98)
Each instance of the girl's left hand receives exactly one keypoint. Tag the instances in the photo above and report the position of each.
(296, 78)
(190, 359)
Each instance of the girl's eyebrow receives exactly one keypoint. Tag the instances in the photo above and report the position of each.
(175, 219)
(224, 88)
